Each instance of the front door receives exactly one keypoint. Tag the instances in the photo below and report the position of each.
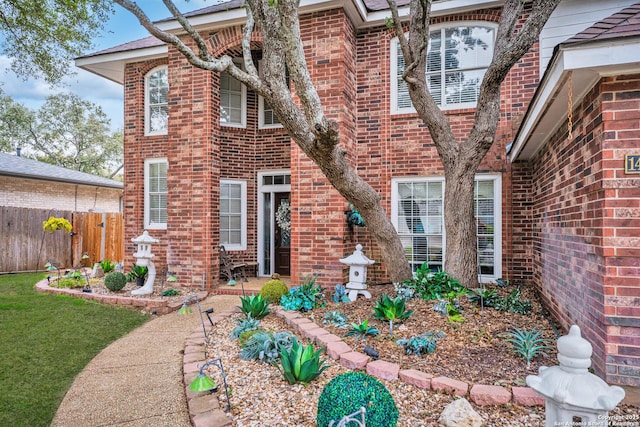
(282, 241)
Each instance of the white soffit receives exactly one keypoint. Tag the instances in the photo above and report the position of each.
(588, 62)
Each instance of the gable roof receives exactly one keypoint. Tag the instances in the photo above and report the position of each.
(608, 47)
(15, 166)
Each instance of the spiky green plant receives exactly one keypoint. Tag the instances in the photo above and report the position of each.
(265, 345)
(362, 330)
(527, 343)
(391, 310)
(422, 344)
(300, 363)
(255, 305)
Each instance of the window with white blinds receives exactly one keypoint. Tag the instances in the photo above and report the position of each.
(155, 194)
(457, 59)
(418, 213)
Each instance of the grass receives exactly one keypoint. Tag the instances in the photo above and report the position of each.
(45, 341)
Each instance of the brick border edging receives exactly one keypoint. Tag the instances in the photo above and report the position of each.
(149, 305)
(205, 411)
(480, 394)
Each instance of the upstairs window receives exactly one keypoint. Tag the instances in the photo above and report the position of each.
(457, 59)
(233, 101)
(156, 101)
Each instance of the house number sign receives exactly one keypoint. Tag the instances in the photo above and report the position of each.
(632, 163)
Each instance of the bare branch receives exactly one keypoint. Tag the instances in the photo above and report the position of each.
(202, 46)
(246, 44)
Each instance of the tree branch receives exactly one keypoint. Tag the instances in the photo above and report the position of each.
(202, 46)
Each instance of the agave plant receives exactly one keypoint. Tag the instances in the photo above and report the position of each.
(264, 345)
(247, 323)
(391, 310)
(254, 305)
(300, 363)
(362, 330)
(527, 343)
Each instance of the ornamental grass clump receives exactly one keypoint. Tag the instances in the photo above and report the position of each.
(300, 363)
(527, 343)
(348, 392)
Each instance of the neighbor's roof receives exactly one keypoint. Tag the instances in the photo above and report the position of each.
(12, 165)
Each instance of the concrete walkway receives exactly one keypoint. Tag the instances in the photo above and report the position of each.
(138, 379)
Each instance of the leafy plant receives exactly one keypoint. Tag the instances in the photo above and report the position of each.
(68, 282)
(137, 272)
(247, 323)
(422, 344)
(246, 336)
(429, 285)
(300, 363)
(391, 310)
(362, 330)
(265, 346)
(54, 223)
(348, 392)
(115, 281)
(273, 290)
(484, 297)
(451, 308)
(107, 266)
(404, 291)
(304, 297)
(335, 318)
(170, 292)
(527, 343)
(340, 294)
(512, 303)
(254, 305)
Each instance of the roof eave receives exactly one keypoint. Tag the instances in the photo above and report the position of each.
(115, 185)
(587, 62)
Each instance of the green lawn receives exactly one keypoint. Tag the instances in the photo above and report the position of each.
(45, 341)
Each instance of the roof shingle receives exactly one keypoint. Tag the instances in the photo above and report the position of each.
(624, 23)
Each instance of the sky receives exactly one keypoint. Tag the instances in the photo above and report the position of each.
(121, 28)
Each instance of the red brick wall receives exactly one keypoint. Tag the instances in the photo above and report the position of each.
(586, 217)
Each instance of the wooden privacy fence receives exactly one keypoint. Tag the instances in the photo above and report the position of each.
(24, 246)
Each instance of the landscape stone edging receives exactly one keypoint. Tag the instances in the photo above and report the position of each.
(482, 394)
(152, 306)
(204, 416)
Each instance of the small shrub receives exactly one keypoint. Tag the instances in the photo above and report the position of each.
(362, 330)
(391, 310)
(246, 336)
(335, 318)
(512, 303)
(170, 292)
(273, 290)
(247, 323)
(348, 392)
(304, 297)
(254, 305)
(115, 281)
(300, 363)
(429, 285)
(340, 294)
(484, 297)
(527, 343)
(69, 282)
(107, 266)
(422, 344)
(265, 346)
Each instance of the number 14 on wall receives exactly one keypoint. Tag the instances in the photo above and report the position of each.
(632, 163)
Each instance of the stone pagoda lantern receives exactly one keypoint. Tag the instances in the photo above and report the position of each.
(357, 263)
(570, 391)
(143, 258)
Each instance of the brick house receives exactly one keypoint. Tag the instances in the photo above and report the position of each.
(206, 162)
(27, 183)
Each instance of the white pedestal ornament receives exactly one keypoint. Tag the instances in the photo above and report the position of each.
(143, 258)
(357, 263)
(570, 391)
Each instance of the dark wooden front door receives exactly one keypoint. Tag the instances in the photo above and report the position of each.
(282, 255)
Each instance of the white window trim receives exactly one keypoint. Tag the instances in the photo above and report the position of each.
(261, 124)
(148, 225)
(271, 188)
(243, 217)
(393, 63)
(497, 205)
(147, 116)
(243, 106)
